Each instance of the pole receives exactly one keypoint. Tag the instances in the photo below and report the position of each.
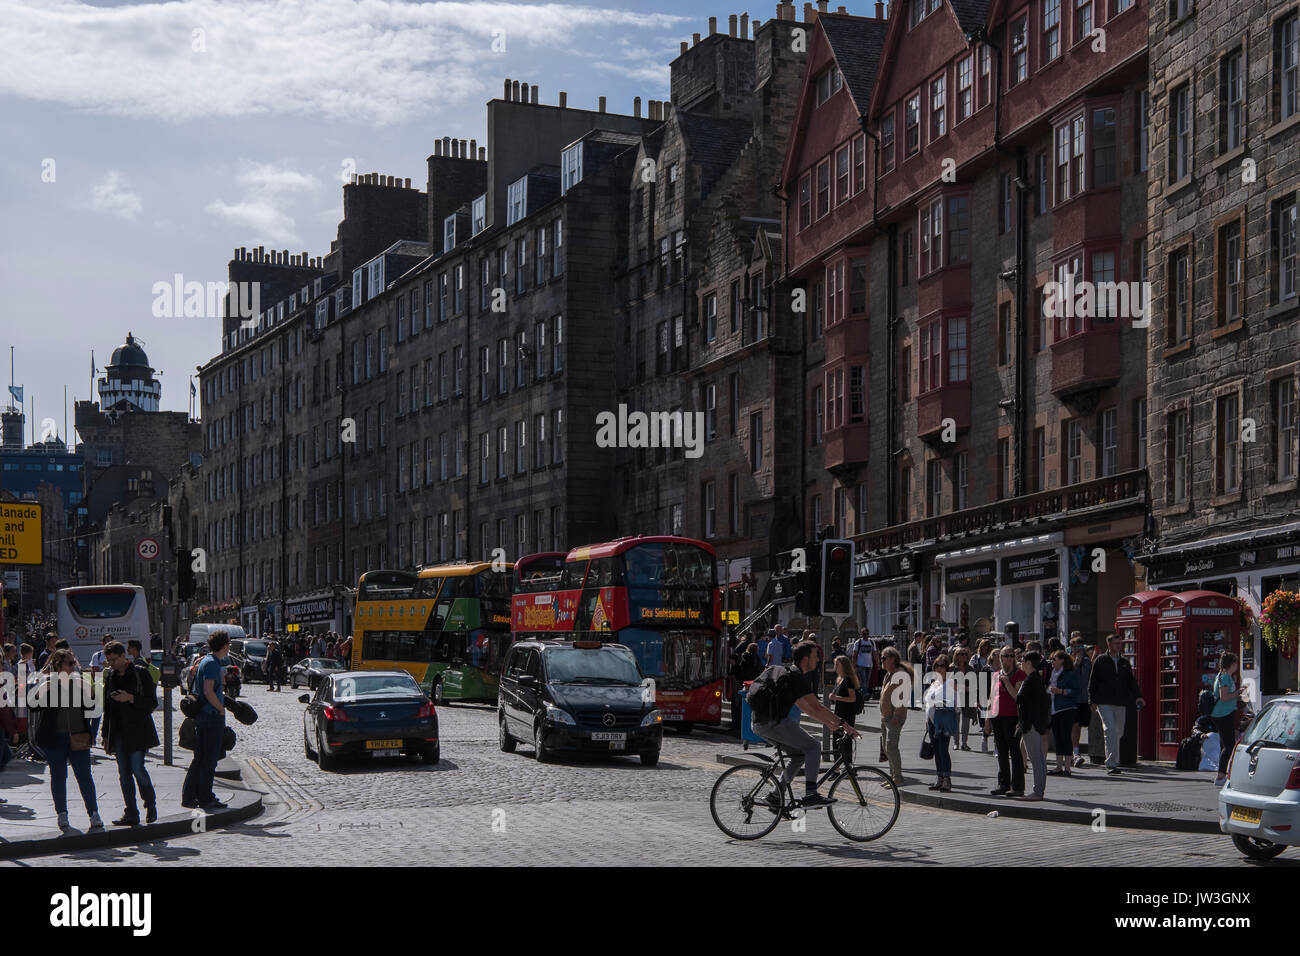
(826, 636)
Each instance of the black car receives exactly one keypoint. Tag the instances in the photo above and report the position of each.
(578, 696)
(250, 655)
(309, 670)
(375, 713)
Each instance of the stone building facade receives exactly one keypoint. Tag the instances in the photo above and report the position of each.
(1224, 343)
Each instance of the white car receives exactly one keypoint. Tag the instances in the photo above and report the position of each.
(1260, 804)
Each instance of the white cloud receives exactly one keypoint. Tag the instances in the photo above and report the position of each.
(261, 211)
(381, 61)
(110, 197)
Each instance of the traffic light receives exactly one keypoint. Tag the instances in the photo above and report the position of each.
(185, 584)
(836, 578)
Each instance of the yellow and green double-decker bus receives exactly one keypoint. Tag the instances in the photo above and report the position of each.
(447, 626)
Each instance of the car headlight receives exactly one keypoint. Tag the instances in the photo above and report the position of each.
(652, 718)
(556, 715)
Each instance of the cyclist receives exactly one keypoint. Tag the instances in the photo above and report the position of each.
(795, 689)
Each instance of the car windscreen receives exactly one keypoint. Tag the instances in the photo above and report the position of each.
(325, 664)
(1278, 724)
(94, 605)
(256, 648)
(374, 685)
(602, 665)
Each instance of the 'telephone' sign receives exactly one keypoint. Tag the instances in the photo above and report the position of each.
(21, 541)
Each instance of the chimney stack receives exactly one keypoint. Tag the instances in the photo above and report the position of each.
(564, 100)
(713, 25)
(636, 106)
(744, 26)
(695, 39)
(731, 24)
(822, 5)
(602, 104)
(685, 46)
(808, 15)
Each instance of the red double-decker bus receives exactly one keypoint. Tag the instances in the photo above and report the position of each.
(658, 595)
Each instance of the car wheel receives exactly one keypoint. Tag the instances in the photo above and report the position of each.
(1258, 849)
(504, 739)
(685, 728)
(650, 758)
(539, 744)
(293, 681)
(306, 745)
(432, 754)
(327, 760)
(438, 698)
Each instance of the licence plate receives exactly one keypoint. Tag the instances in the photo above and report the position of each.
(393, 745)
(1246, 815)
(619, 738)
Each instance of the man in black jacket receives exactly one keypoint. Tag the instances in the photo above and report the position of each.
(129, 731)
(1112, 686)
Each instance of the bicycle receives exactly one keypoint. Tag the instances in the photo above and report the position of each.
(755, 799)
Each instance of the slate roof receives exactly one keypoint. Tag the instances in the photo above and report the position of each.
(971, 14)
(858, 43)
(712, 141)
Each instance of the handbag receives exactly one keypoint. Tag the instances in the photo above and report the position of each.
(927, 746)
(79, 741)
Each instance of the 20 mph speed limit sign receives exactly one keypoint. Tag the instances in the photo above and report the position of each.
(147, 549)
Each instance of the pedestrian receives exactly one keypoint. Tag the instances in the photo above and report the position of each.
(778, 646)
(11, 659)
(64, 733)
(837, 648)
(97, 659)
(1226, 698)
(1083, 713)
(1032, 709)
(1112, 686)
(210, 727)
(274, 661)
(862, 652)
(129, 731)
(941, 721)
(916, 650)
(51, 639)
(1004, 717)
(762, 642)
(895, 690)
(1063, 689)
(846, 692)
(967, 679)
(932, 652)
(745, 666)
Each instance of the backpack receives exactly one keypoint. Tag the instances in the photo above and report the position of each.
(1189, 753)
(771, 694)
(860, 701)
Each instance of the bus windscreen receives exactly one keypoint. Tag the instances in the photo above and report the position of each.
(101, 605)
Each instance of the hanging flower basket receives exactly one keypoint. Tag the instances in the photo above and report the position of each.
(1280, 619)
(1247, 615)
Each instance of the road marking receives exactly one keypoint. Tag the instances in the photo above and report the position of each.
(296, 799)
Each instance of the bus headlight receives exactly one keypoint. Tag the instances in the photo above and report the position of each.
(556, 715)
(652, 718)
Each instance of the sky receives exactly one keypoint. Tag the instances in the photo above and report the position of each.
(142, 141)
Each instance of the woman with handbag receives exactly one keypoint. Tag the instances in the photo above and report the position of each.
(941, 722)
(64, 734)
(1033, 714)
(894, 695)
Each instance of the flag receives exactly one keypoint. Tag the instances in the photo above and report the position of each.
(92, 363)
(193, 391)
(17, 392)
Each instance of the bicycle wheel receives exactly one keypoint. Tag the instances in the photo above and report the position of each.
(739, 802)
(866, 803)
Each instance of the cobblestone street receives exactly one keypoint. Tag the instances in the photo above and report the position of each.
(482, 806)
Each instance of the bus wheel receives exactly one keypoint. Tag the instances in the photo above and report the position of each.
(539, 744)
(504, 739)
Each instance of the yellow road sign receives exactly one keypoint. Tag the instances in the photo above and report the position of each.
(21, 541)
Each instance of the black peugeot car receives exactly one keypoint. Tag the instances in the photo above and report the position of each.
(577, 696)
(368, 713)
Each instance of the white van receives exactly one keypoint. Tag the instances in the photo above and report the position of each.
(199, 634)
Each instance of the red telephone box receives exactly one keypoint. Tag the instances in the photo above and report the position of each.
(1195, 628)
(1136, 620)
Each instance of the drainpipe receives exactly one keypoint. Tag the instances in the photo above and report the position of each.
(891, 325)
(779, 192)
(1019, 416)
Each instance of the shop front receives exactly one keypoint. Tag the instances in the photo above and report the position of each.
(986, 588)
(314, 614)
(890, 592)
(1250, 566)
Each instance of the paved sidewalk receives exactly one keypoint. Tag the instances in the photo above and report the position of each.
(1150, 796)
(28, 823)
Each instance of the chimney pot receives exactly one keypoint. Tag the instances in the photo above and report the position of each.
(713, 25)
(473, 148)
(731, 24)
(523, 92)
(446, 146)
(808, 16)
(880, 10)
(822, 5)
(695, 38)
(514, 91)
(636, 106)
(534, 93)
(506, 94)
(602, 104)
(841, 9)
(564, 100)
(744, 26)
(685, 46)
(482, 153)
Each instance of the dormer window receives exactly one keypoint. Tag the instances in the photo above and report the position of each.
(293, 305)
(478, 215)
(449, 233)
(828, 84)
(517, 201)
(570, 167)
(322, 313)
(376, 277)
(358, 285)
